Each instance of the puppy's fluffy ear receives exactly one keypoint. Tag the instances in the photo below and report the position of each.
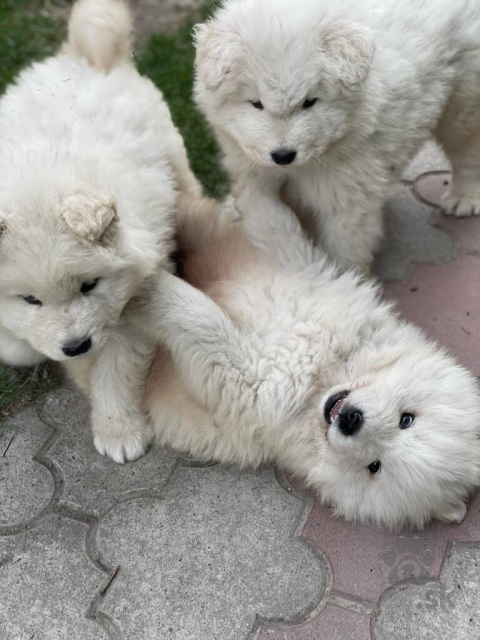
(89, 215)
(217, 53)
(348, 52)
(3, 227)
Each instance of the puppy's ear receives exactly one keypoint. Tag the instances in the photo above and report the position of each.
(348, 52)
(89, 215)
(3, 227)
(376, 361)
(217, 53)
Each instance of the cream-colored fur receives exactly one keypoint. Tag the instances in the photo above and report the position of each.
(91, 168)
(258, 356)
(385, 74)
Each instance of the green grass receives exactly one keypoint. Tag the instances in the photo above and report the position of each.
(33, 29)
(168, 60)
(29, 31)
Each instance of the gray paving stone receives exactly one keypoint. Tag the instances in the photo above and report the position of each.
(436, 610)
(48, 583)
(91, 481)
(26, 487)
(429, 158)
(410, 237)
(216, 552)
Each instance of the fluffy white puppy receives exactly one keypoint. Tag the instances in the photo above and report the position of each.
(283, 360)
(91, 167)
(336, 97)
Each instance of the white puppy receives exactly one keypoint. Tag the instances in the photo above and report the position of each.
(336, 97)
(91, 166)
(286, 361)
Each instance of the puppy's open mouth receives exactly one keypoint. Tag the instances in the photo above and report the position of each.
(333, 405)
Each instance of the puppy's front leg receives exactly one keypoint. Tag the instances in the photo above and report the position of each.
(351, 236)
(224, 368)
(118, 380)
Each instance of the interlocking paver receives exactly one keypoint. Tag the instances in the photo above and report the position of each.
(445, 301)
(92, 482)
(365, 562)
(410, 237)
(334, 623)
(26, 486)
(433, 611)
(204, 562)
(48, 583)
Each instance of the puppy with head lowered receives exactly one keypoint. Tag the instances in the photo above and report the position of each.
(91, 167)
(334, 98)
(280, 359)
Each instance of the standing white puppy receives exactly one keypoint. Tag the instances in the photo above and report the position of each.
(91, 168)
(336, 97)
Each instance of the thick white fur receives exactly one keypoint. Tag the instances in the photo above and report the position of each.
(387, 74)
(279, 331)
(91, 168)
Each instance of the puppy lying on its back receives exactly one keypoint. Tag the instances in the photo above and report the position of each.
(335, 98)
(283, 360)
(91, 167)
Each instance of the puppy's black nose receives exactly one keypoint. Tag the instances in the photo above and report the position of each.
(284, 156)
(72, 349)
(350, 420)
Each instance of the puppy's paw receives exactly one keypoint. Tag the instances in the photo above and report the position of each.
(454, 515)
(460, 206)
(121, 446)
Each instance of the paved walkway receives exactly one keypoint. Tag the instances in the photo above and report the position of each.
(166, 549)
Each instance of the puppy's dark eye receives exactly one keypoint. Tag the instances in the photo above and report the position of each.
(308, 104)
(406, 420)
(32, 300)
(88, 286)
(374, 467)
(257, 104)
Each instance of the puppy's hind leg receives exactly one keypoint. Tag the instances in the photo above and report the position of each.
(459, 134)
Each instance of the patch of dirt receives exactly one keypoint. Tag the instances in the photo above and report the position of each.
(160, 15)
(148, 15)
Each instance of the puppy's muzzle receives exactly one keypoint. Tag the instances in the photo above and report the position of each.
(350, 420)
(77, 347)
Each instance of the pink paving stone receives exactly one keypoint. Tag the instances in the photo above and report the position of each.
(365, 561)
(445, 301)
(333, 623)
(361, 558)
(429, 188)
(466, 231)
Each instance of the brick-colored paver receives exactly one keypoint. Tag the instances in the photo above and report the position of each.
(445, 301)
(365, 562)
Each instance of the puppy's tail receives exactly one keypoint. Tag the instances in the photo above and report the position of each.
(100, 32)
